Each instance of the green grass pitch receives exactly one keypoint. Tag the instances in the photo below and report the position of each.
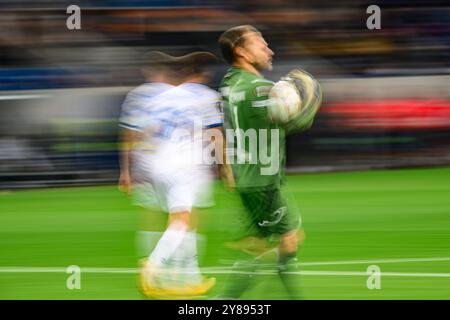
(372, 216)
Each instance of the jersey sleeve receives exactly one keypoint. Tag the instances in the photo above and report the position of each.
(213, 115)
(132, 113)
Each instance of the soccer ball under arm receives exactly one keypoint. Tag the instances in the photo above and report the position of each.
(295, 100)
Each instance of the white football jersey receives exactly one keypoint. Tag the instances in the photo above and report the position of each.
(137, 106)
(207, 103)
(172, 121)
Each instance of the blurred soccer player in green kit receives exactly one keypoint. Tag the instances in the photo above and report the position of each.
(273, 225)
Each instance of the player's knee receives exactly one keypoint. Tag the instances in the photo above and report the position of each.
(289, 243)
(179, 220)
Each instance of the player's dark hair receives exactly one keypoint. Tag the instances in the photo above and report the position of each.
(159, 63)
(156, 59)
(232, 38)
(196, 62)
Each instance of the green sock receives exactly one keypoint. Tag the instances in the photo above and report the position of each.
(240, 281)
(288, 263)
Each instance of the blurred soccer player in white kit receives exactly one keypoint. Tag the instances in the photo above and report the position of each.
(170, 120)
(208, 103)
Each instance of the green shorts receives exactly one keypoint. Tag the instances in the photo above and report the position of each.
(268, 212)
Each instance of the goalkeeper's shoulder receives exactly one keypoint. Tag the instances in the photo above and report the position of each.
(261, 81)
(259, 88)
(257, 82)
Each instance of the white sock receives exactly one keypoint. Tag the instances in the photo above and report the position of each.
(177, 263)
(190, 259)
(168, 244)
(185, 261)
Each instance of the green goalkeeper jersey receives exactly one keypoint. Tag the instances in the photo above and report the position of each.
(257, 145)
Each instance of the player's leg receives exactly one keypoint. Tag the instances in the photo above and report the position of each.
(177, 247)
(288, 263)
(288, 227)
(153, 219)
(147, 195)
(186, 260)
(188, 253)
(156, 270)
(179, 203)
(203, 200)
(170, 241)
(273, 216)
(252, 245)
(200, 185)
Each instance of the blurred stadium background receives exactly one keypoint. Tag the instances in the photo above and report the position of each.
(387, 105)
(386, 91)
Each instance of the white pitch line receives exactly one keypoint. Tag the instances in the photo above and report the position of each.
(342, 273)
(64, 270)
(365, 274)
(402, 260)
(213, 270)
(31, 270)
(344, 262)
(217, 271)
(228, 269)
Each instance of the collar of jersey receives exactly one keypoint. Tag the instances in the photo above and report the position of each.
(239, 69)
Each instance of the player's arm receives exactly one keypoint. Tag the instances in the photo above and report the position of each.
(217, 140)
(225, 171)
(214, 120)
(130, 133)
(127, 140)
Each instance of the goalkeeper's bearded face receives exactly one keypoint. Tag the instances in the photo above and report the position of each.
(257, 51)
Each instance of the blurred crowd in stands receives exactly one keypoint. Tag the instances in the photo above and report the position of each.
(38, 51)
(386, 91)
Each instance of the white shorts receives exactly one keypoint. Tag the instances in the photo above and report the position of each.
(205, 195)
(171, 189)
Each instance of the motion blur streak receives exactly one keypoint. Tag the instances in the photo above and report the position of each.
(386, 106)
